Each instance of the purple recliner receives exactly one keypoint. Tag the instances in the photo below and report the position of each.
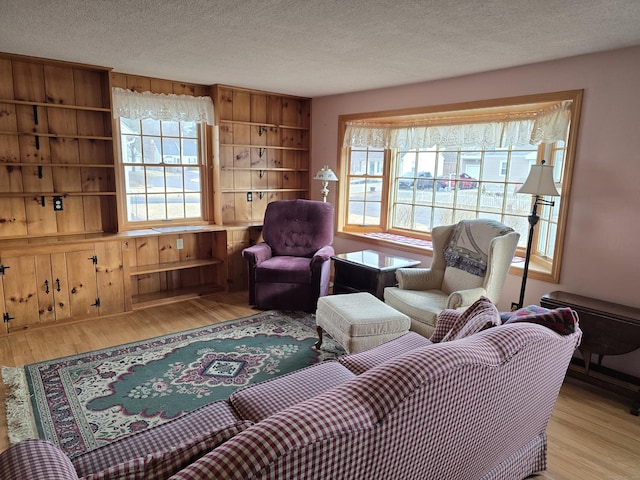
(291, 268)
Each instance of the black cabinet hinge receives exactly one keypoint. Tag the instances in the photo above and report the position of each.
(3, 268)
(97, 304)
(94, 259)
(6, 318)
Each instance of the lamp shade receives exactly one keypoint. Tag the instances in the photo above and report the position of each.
(540, 181)
(326, 175)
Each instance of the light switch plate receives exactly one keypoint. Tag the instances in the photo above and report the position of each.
(179, 244)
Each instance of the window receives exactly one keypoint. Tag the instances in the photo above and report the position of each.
(163, 169)
(162, 156)
(411, 171)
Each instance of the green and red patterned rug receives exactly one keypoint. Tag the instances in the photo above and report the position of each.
(83, 401)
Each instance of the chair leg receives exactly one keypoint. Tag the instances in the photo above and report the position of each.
(319, 342)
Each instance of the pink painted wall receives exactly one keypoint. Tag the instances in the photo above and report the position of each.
(601, 258)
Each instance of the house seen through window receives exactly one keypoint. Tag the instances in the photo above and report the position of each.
(409, 172)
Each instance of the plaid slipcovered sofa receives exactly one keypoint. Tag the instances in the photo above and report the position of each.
(473, 405)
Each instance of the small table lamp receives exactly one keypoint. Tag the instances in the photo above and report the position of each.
(539, 183)
(326, 175)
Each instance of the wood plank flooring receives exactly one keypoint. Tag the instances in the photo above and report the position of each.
(592, 435)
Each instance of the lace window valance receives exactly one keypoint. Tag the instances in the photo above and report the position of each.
(160, 106)
(533, 128)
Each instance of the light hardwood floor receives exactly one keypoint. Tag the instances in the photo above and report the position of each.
(592, 435)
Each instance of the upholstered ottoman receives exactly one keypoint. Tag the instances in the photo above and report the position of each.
(359, 321)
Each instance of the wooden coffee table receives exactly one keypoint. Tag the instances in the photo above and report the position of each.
(367, 271)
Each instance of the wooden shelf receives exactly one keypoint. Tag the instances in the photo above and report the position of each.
(56, 194)
(271, 147)
(58, 165)
(55, 105)
(265, 190)
(171, 296)
(267, 169)
(55, 135)
(268, 125)
(171, 266)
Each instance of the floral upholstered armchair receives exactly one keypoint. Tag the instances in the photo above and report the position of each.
(290, 270)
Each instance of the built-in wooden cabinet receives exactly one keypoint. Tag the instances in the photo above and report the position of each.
(56, 149)
(58, 282)
(239, 238)
(263, 150)
(170, 264)
(62, 257)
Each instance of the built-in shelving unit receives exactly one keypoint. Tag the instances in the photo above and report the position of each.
(263, 150)
(56, 143)
(174, 264)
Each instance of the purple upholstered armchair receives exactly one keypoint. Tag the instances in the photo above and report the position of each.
(290, 269)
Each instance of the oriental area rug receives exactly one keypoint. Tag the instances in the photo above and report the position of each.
(86, 400)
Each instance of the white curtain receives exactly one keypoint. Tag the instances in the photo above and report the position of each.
(160, 106)
(543, 126)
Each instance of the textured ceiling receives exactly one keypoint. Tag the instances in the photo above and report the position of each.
(314, 48)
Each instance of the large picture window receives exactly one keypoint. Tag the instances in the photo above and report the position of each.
(408, 172)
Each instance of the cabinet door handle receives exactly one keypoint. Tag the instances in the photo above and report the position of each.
(58, 284)
(46, 286)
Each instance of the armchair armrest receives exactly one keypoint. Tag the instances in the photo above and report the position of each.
(464, 298)
(418, 278)
(321, 256)
(257, 254)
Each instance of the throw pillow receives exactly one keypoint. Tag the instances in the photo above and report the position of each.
(163, 464)
(561, 320)
(522, 312)
(480, 315)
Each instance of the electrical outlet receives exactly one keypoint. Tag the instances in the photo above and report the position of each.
(57, 203)
(249, 197)
(179, 244)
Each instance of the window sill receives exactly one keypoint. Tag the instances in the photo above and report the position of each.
(537, 270)
(397, 242)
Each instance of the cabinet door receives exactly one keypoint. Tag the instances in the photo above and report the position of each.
(81, 283)
(237, 240)
(110, 278)
(5, 325)
(45, 287)
(59, 281)
(51, 285)
(20, 291)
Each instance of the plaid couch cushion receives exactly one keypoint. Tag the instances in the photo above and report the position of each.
(208, 419)
(160, 465)
(363, 361)
(261, 400)
(480, 315)
(561, 320)
(35, 459)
